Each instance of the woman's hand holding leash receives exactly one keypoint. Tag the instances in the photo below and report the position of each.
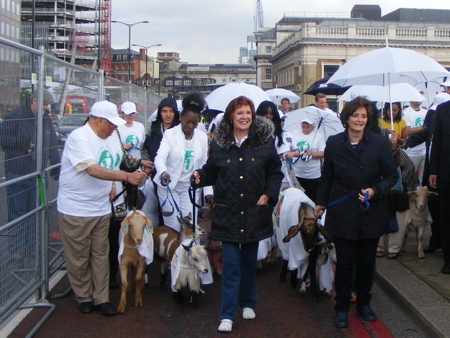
(319, 210)
(165, 178)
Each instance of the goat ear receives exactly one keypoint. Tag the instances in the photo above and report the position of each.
(124, 226)
(433, 193)
(187, 248)
(325, 234)
(293, 230)
(149, 224)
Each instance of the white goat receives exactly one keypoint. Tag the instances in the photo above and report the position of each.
(418, 209)
(189, 269)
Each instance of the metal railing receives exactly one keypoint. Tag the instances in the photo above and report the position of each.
(30, 149)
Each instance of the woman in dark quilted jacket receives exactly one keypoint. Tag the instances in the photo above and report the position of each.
(245, 170)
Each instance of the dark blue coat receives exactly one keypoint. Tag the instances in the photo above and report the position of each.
(346, 171)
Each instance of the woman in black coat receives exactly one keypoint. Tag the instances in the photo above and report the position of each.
(358, 172)
(244, 168)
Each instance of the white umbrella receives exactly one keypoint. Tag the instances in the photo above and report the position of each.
(325, 122)
(399, 92)
(221, 97)
(278, 94)
(388, 65)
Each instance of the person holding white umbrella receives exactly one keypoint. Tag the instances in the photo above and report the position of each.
(393, 120)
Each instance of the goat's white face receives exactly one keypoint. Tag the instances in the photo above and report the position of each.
(135, 225)
(197, 257)
(420, 197)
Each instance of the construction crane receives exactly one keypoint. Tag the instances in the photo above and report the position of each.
(258, 18)
(105, 36)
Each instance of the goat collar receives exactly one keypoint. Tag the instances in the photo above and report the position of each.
(138, 211)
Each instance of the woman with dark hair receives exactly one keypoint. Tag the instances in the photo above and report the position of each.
(183, 148)
(167, 117)
(244, 168)
(399, 123)
(358, 172)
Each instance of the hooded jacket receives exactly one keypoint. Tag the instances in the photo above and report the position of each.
(241, 175)
(153, 139)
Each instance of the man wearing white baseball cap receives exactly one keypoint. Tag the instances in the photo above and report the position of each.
(89, 171)
(446, 86)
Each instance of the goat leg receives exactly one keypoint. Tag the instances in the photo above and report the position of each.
(294, 278)
(123, 297)
(419, 236)
(283, 272)
(194, 299)
(139, 283)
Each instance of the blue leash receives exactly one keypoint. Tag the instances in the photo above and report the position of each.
(169, 193)
(342, 199)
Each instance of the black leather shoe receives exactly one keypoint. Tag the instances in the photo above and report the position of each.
(106, 309)
(366, 313)
(430, 249)
(446, 269)
(341, 320)
(86, 307)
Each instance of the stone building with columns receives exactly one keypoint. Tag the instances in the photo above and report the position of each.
(306, 49)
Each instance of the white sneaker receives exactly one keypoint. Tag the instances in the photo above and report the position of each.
(248, 313)
(225, 325)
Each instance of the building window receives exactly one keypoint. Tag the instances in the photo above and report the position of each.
(169, 82)
(178, 82)
(119, 57)
(329, 70)
(269, 49)
(187, 82)
(268, 73)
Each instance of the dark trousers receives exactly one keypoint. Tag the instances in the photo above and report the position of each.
(444, 200)
(113, 237)
(435, 212)
(360, 252)
(310, 186)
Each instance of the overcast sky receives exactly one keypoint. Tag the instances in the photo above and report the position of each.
(211, 31)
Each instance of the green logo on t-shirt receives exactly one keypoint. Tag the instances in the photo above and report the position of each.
(418, 122)
(187, 159)
(106, 160)
(132, 139)
(303, 146)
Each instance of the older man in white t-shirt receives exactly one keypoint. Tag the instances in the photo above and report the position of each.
(89, 172)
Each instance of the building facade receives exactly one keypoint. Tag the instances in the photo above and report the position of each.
(307, 49)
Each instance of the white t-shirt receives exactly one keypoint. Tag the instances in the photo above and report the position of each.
(134, 135)
(414, 119)
(80, 194)
(314, 141)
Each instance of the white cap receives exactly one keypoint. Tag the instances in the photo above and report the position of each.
(438, 99)
(107, 110)
(307, 120)
(446, 84)
(128, 108)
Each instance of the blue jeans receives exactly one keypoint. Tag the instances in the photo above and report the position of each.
(21, 200)
(238, 278)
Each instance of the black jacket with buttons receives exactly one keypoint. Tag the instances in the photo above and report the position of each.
(347, 170)
(241, 175)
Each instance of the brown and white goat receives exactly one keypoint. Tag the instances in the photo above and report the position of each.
(188, 262)
(136, 228)
(418, 211)
(309, 229)
(167, 240)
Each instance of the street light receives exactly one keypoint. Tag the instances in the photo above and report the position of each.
(146, 58)
(129, 42)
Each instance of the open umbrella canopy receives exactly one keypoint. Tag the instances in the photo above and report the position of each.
(219, 98)
(399, 92)
(325, 122)
(323, 87)
(278, 94)
(388, 65)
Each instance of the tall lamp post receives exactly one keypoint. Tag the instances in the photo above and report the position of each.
(146, 59)
(129, 42)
